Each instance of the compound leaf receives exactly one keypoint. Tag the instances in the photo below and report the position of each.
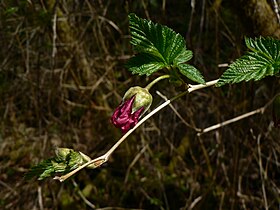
(65, 160)
(263, 60)
(159, 42)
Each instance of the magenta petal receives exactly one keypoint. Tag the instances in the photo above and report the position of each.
(125, 128)
(122, 112)
(132, 121)
(115, 115)
(130, 124)
(123, 117)
(126, 107)
(137, 114)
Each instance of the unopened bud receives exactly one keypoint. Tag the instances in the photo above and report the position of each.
(62, 152)
(136, 102)
(85, 157)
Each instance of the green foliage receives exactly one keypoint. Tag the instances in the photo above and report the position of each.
(159, 47)
(66, 160)
(191, 72)
(145, 64)
(262, 60)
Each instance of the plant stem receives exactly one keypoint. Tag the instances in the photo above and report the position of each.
(200, 86)
(148, 87)
(219, 125)
(104, 158)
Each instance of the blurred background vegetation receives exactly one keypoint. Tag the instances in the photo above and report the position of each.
(62, 74)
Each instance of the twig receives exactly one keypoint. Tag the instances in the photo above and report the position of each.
(196, 201)
(177, 113)
(40, 199)
(219, 125)
(200, 86)
(276, 10)
(54, 49)
(104, 158)
(82, 195)
(9, 188)
(145, 9)
(110, 22)
(134, 161)
(163, 5)
(188, 35)
(262, 173)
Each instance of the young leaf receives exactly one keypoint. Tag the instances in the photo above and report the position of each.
(43, 170)
(262, 61)
(160, 43)
(268, 46)
(65, 161)
(191, 72)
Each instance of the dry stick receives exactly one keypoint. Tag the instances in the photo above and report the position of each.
(104, 158)
(178, 114)
(54, 49)
(134, 161)
(276, 10)
(82, 195)
(196, 201)
(219, 125)
(262, 173)
(40, 199)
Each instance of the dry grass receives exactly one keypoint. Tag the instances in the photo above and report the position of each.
(62, 74)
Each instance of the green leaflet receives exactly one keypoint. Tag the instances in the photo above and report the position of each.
(191, 72)
(66, 160)
(184, 56)
(155, 39)
(144, 64)
(158, 47)
(263, 60)
(267, 46)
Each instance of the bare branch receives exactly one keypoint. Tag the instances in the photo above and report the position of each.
(227, 122)
(104, 158)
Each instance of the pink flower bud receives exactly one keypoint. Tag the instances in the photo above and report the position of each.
(135, 103)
